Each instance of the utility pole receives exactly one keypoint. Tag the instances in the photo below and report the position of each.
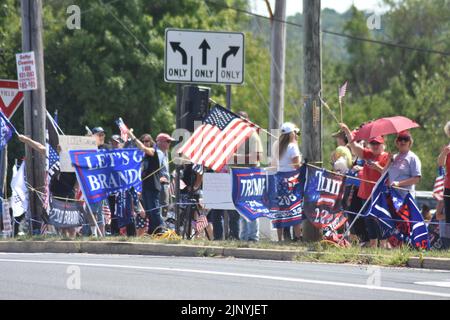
(312, 84)
(277, 67)
(34, 105)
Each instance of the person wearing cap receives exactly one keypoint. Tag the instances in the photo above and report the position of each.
(99, 135)
(151, 185)
(163, 141)
(116, 141)
(376, 159)
(287, 157)
(405, 168)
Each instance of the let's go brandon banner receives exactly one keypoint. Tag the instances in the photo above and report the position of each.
(103, 172)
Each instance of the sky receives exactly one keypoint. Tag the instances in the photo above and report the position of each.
(294, 6)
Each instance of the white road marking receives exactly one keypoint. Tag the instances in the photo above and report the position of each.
(232, 274)
(443, 284)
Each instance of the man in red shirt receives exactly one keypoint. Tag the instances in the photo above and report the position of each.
(376, 159)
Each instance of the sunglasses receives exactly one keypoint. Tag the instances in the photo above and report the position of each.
(145, 141)
(404, 139)
(374, 143)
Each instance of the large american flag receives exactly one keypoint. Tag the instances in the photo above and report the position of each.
(438, 189)
(342, 91)
(123, 129)
(217, 139)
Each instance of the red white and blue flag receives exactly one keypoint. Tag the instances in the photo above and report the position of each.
(6, 130)
(201, 223)
(438, 189)
(123, 129)
(217, 139)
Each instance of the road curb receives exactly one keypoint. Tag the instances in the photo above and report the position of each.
(429, 263)
(158, 249)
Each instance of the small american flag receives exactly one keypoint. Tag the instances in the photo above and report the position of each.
(106, 212)
(217, 139)
(438, 189)
(201, 223)
(123, 129)
(342, 91)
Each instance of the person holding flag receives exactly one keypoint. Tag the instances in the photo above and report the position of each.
(444, 161)
(287, 157)
(376, 159)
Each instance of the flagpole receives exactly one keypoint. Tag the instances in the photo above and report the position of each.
(340, 107)
(329, 110)
(246, 120)
(364, 206)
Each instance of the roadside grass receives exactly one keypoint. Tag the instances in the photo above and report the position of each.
(305, 252)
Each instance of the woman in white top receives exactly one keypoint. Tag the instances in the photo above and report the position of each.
(288, 158)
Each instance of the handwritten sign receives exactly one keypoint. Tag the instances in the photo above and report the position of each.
(68, 143)
(217, 191)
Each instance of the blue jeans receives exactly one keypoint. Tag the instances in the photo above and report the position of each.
(152, 209)
(233, 223)
(249, 230)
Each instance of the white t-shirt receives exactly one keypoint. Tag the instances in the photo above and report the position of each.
(285, 163)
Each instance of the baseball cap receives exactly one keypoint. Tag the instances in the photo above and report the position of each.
(378, 139)
(164, 137)
(97, 130)
(117, 138)
(289, 127)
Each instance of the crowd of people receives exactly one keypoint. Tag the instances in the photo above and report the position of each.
(363, 162)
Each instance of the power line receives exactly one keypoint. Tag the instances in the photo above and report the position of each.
(338, 34)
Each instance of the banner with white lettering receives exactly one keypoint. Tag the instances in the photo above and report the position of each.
(323, 198)
(101, 173)
(66, 214)
(277, 196)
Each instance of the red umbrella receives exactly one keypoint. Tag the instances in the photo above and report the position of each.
(384, 126)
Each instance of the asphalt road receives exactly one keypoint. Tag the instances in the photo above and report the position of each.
(84, 276)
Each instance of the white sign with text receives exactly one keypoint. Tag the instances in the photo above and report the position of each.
(68, 143)
(26, 71)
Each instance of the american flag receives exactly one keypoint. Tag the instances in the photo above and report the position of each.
(52, 157)
(201, 223)
(123, 129)
(438, 189)
(106, 212)
(342, 91)
(217, 139)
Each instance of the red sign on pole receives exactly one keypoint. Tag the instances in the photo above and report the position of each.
(10, 97)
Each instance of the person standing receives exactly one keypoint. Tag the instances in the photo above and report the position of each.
(376, 159)
(249, 154)
(287, 157)
(444, 161)
(405, 168)
(151, 185)
(163, 141)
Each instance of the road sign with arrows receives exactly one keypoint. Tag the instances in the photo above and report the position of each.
(204, 56)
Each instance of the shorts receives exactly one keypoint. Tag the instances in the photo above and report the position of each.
(141, 222)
